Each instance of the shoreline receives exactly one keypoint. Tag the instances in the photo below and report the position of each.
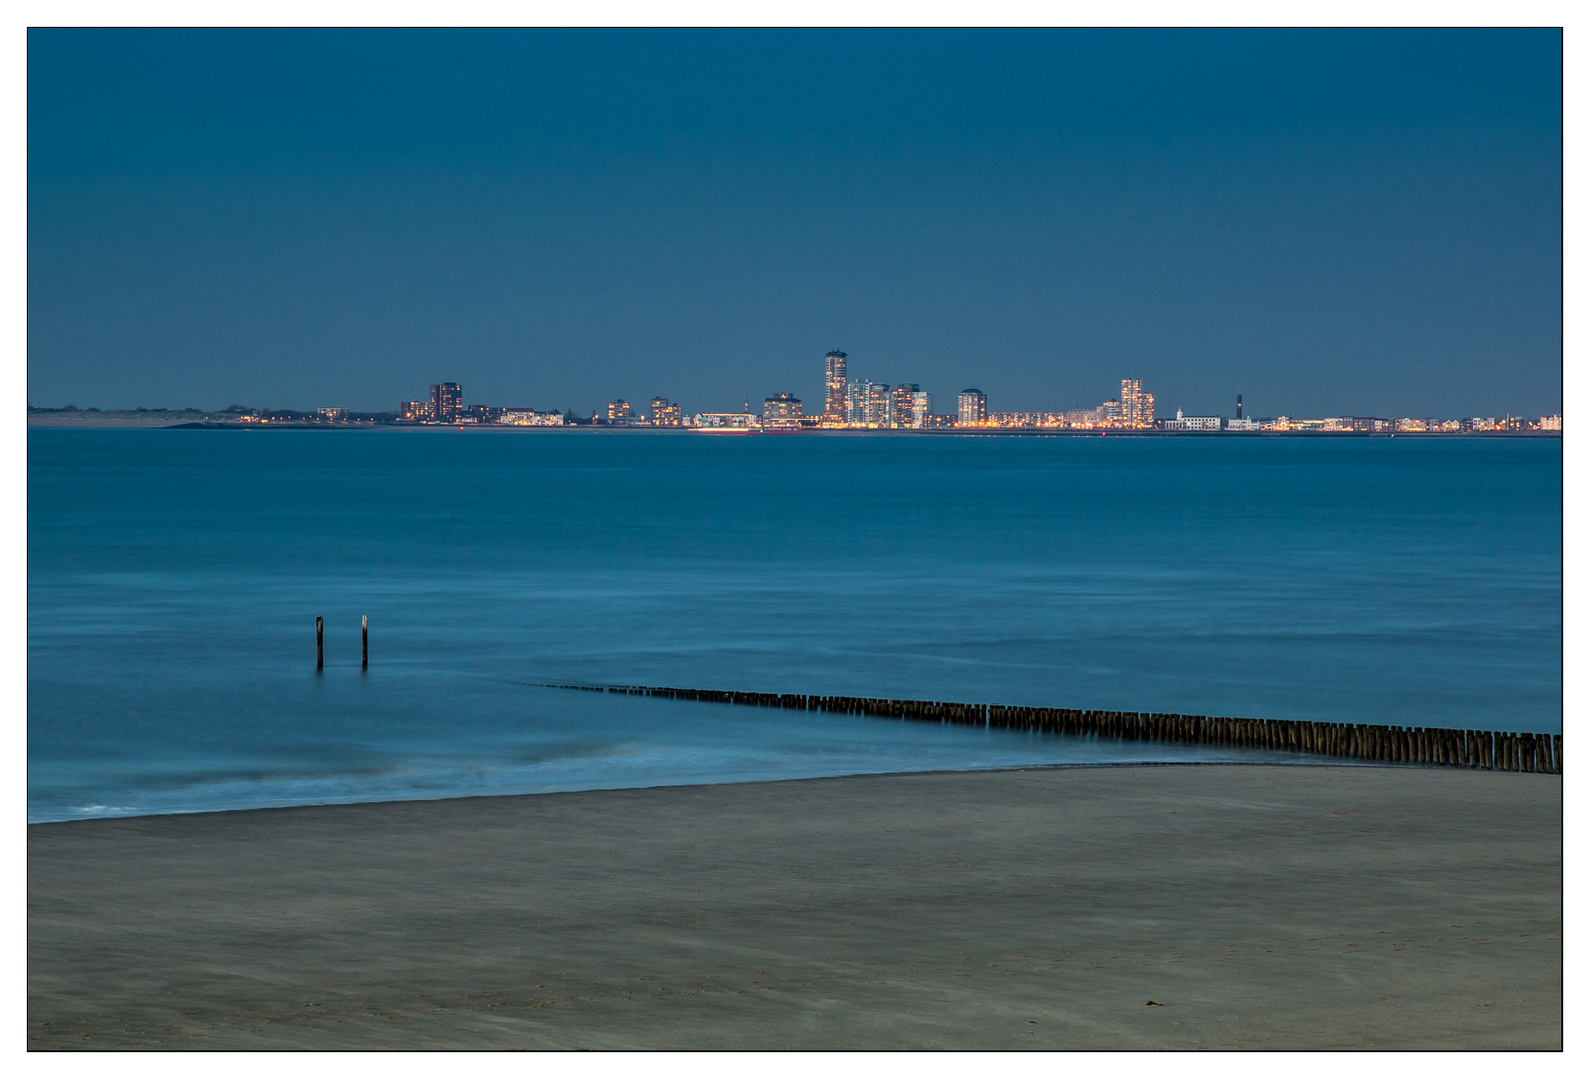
(1035, 767)
(1259, 906)
(201, 425)
(126, 420)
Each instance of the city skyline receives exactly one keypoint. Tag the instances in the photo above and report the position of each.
(1332, 221)
(860, 404)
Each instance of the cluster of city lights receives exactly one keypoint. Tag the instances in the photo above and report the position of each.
(863, 405)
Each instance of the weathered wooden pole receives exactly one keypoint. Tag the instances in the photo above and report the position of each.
(320, 642)
(364, 641)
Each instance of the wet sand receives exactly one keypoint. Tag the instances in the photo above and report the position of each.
(1256, 906)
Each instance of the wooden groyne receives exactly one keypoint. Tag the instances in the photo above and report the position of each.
(1461, 748)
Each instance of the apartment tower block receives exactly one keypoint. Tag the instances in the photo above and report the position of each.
(834, 387)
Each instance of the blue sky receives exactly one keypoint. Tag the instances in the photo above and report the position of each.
(1327, 221)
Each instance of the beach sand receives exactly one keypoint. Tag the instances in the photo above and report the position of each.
(1257, 906)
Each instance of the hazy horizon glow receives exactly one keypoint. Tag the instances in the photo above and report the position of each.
(1330, 222)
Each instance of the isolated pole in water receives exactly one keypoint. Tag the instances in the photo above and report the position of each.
(320, 643)
(364, 634)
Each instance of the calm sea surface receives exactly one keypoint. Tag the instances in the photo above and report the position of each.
(174, 578)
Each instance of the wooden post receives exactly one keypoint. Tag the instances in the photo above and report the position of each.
(320, 642)
(364, 644)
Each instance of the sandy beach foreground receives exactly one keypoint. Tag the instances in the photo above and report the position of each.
(1263, 907)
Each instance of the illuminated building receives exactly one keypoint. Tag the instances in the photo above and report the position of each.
(415, 410)
(1191, 423)
(972, 407)
(922, 408)
(1551, 423)
(1137, 406)
(446, 399)
(619, 412)
(857, 394)
(1026, 420)
(483, 414)
(665, 415)
(1110, 412)
(781, 407)
(1240, 406)
(332, 414)
(718, 421)
(880, 406)
(901, 401)
(868, 404)
(531, 418)
(834, 387)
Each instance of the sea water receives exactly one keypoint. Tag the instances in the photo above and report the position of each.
(174, 578)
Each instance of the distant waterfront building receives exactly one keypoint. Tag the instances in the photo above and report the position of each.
(665, 415)
(1110, 412)
(856, 395)
(834, 404)
(483, 414)
(781, 406)
(1026, 420)
(531, 418)
(446, 401)
(972, 407)
(1240, 406)
(334, 415)
(867, 404)
(724, 421)
(619, 412)
(880, 407)
(414, 410)
(1242, 423)
(938, 422)
(922, 407)
(900, 405)
(1137, 405)
(1191, 423)
(1551, 423)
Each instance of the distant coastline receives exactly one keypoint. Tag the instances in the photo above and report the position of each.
(194, 419)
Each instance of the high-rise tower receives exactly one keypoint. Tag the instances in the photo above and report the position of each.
(867, 404)
(834, 387)
(446, 400)
(1240, 406)
(1137, 405)
(972, 407)
(901, 405)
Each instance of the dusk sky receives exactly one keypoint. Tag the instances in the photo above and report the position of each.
(1330, 222)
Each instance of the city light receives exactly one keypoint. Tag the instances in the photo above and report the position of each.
(860, 404)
